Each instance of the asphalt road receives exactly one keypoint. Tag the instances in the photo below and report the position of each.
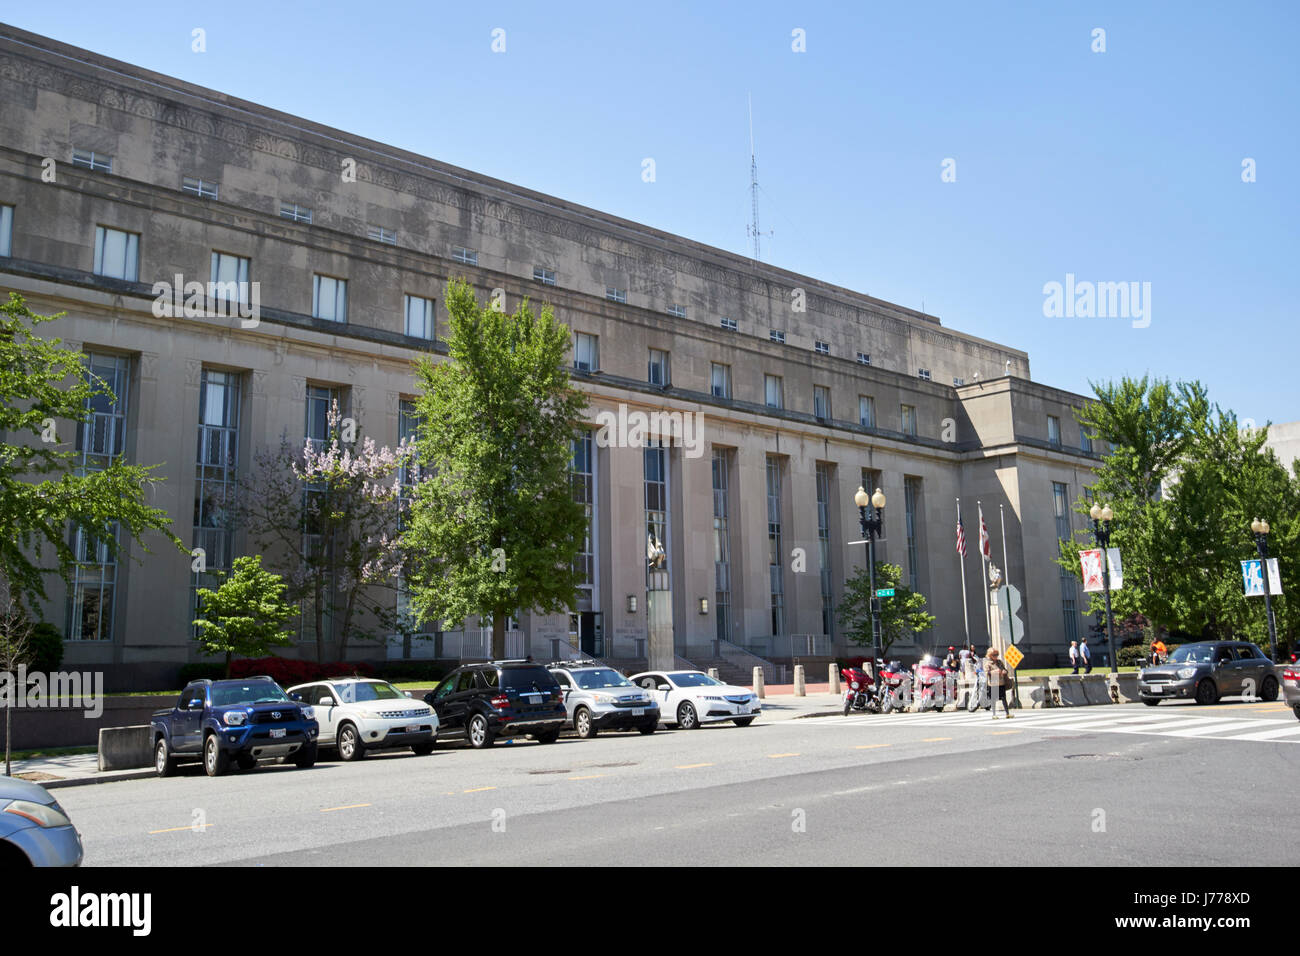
(1174, 785)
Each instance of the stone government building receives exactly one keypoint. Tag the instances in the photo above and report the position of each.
(690, 549)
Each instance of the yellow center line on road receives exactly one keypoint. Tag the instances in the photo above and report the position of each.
(350, 806)
(934, 740)
(777, 756)
(871, 746)
(200, 826)
(478, 789)
(590, 776)
(691, 766)
(999, 733)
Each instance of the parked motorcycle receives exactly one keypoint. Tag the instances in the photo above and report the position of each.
(895, 687)
(934, 684)
(859, 691)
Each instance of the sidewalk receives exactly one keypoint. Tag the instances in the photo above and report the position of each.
(781, 704)
(73, 770)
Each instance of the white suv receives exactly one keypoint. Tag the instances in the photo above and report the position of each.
(597, 698)
(361, 714)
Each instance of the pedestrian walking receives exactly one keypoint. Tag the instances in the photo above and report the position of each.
(996, 675)
(1074, 656)
(1086, 655)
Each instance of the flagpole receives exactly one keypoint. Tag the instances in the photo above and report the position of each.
(961, 560)
(984, 575)
(1011, 621)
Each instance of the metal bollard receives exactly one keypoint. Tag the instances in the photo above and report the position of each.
(798, 681)
(758, 683)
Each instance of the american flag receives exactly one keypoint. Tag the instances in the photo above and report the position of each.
(984, 537)
(961, 538)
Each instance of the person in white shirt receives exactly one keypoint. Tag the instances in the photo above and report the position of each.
(1074, 656)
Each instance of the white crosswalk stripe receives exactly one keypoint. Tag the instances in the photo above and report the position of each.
(1173, 722)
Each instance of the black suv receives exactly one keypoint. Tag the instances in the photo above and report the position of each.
(499, 699)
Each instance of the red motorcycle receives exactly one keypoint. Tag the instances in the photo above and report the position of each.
(859, 691)
(895, 687)
(934, 684)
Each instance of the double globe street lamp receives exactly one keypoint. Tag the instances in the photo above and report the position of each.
(1260, 529)
(1101, 518)
(872, 525)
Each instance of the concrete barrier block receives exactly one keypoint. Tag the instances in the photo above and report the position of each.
(1096, 689)
(125, 748)
(1124, 687)
(1035, 693)
(1067, 690)
(799, 686)
(758, 683)
(713, 672)
(833, 678)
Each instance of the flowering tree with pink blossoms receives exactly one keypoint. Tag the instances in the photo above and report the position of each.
(328, 516)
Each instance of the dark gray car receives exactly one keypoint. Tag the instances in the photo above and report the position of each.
(1209, 670)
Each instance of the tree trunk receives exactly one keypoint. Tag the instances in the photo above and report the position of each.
(9, 716)
(227, 665)
(498, 636)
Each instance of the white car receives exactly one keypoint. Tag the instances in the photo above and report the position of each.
(689, 699)
(357, 715)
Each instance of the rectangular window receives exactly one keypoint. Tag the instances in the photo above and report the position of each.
(822, 348)
(923, 374)
(199, 187)
(911, 500)
(821, 402)
(1061, 509)
(721, 544)
(216, 472)
(1085, 440)
(775, 550)
(408, 427)
(586, 352)
(91, 597)
(864, 358)
(6, 230)
(825, 497)
(773, 391)
(1054, 431)
(720, 380)
(958, 382)
(544, 276)
(379, 234)
(729, 324)
(655, 483)
(866, 411)
(295, 213)
(909, 420)
(320, 399)
(89, 159)
(117, 253)
(615, 295)
(468, 256)
(1069, 586)
(329, 298)
(230, 277)
(658, 368)
(583, 475)
(677, 310)
(419, 316)
(777, 335)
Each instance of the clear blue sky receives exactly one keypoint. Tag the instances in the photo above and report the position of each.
(1115, 166)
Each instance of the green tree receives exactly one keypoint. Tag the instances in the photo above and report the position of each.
(494, 529)
(900, 615)
(43, 386)
(1184, 480)
(246, 615)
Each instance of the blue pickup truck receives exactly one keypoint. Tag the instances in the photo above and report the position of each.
(241, 720)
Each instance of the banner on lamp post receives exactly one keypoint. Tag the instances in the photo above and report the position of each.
(1090, 562)
(1116, 569)
(1252, 577)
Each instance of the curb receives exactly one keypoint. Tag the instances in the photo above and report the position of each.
(87, 781)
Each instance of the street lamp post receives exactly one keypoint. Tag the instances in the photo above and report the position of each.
(1102, 516)
(872, 526)
(1261, 529)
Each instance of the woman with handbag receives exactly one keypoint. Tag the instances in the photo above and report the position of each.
(998, 679)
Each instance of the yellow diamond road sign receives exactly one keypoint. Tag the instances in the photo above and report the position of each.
(1013, 657)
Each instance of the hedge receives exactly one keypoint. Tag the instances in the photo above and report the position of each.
(287, 672)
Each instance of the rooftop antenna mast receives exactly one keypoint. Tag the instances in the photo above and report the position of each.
(753, 184)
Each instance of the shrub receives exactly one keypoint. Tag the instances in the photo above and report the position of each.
(45, 645)
(287, 673)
